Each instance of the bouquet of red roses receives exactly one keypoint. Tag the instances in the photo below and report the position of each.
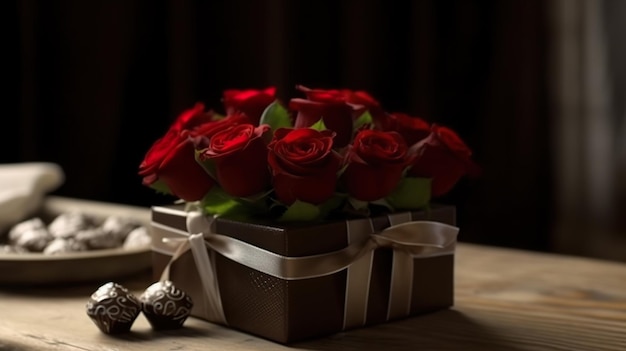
(330, 152)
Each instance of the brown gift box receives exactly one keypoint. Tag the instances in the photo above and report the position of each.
(293, 309)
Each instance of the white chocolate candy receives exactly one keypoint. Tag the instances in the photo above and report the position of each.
(6, 249)
(97, 238)
(34, 240)
(119, 227)
(72, 232)
(67, 224)
(31, 224)
(139, 237)
(61, 245)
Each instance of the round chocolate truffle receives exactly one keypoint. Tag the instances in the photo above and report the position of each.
(165, 306)
(113, 308)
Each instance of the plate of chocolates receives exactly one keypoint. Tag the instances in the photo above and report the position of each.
(73, 240)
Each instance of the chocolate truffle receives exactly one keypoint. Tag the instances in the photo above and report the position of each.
(165, 306)
(113, 308)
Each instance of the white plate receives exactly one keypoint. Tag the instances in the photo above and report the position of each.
(96, 265)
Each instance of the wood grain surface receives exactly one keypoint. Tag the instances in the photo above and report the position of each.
(505, 300)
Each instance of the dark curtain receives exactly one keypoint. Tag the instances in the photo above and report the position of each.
(93, 83)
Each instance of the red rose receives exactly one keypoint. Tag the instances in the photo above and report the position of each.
(303, 164)
(171, 162)
(442, 156)
(250, 102)
(192, 118)
(359, 97)
(360, 100)
(240, 156)
(202, 134)
(329, 105)
(412, 129)
(375, 161)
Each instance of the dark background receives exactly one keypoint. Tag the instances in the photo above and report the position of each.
(91, 84)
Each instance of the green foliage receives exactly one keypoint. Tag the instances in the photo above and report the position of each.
(410, 194)
(319, 125)
(160, 187)
(364, 120)
(218, 202)
(358, 204)
(276, 116)
(300, 211)
(208, 164)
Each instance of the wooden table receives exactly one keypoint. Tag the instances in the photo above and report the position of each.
(505, 300)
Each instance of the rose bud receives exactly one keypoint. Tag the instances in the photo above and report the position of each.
(304, 166)
(203, 133)
(363, 98)
(250, 102)
(375, 163)
(331, 107)
(444, 158)
(170, 165)
(240, 156)
(412, 129)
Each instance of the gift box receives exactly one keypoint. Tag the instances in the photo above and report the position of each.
(290, 282)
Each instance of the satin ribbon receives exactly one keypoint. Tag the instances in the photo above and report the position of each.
(409, 240)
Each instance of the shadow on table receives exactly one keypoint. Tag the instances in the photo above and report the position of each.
(135, 283)
(144, 335)
(7, 346)
(443, 330)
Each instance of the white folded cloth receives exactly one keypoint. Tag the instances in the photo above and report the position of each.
(23, 187)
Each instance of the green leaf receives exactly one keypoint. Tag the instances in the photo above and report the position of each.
(383, 203)
(208, 164)
(319, 125)
(160, 187)
(358, 204)
(217, 116)
(331, 204)
(217, 201)
(255, 199)
(410, 194)
(300, 211)
(363, 120)
(276, 116)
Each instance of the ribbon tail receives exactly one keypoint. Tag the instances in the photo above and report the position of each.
(182, 248)
(401, 286)
(208, 278)
(357, 291)
(358, 276)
